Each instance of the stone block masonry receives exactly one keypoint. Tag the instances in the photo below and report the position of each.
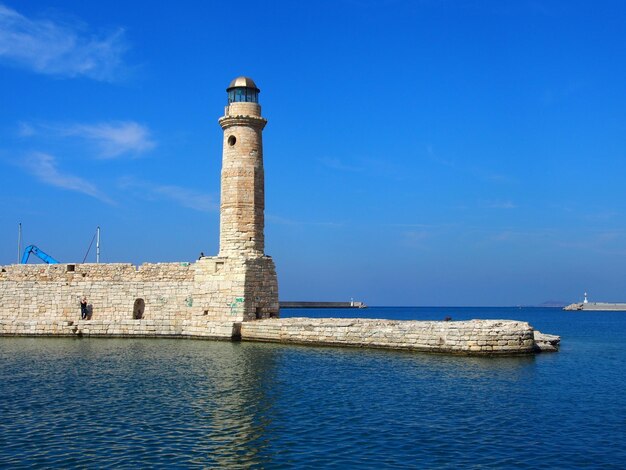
(221, 298)
(162, 299)
(242, 206)
(191, 328)
(474, 337)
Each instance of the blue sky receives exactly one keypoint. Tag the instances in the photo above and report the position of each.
(417, 152)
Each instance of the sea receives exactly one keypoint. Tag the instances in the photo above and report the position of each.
(177, 403)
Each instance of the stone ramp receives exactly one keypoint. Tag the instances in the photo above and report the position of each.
(473, 337)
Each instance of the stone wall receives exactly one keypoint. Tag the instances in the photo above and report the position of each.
(170, 298)
(261, 289)
(190, 328)
(54, 291)
(217, 297)
(475, 337)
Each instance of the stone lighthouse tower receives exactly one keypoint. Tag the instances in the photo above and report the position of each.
(243, 192)
(242, 219)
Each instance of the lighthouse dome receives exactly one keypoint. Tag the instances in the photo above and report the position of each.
(242, 82)
(243, 89)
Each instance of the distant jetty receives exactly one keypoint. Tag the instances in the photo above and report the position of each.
(300, 304)
(597, 306)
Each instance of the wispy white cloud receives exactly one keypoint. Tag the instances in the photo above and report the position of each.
(417, 238)
(111, 139)
(505, 236)
(382, 167)
(53, 48)
(24, 129)
(604, 241)
(185, 197)
(485, 175)
(413, 225)
(277, 219)
(336, 164)
(556, 95)
(188, 198)
(501, 205)
(45, 168)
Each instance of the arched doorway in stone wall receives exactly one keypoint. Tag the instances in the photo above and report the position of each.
(138, 308)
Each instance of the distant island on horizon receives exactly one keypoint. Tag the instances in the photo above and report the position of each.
(553, 303)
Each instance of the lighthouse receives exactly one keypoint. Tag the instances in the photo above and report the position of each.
(243, 188)
(249, 273)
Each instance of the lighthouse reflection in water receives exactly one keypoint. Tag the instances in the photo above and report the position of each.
(169, 402)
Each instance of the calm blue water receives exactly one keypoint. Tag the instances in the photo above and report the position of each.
(186, 403)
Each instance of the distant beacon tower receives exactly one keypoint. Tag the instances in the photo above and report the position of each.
(243, 193)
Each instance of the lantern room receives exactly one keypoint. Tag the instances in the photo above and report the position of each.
(243, 89)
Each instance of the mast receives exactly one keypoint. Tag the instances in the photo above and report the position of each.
(19, 242)
(98, 244)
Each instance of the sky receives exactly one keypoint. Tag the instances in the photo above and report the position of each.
(418, 153)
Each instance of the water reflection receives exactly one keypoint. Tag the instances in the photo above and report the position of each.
(127, 402)
(178, 403)
(233, 402)
(73, 402)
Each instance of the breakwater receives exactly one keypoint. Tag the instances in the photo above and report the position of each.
(307, 304)
(473, 337)
(216, 298)
(597, 306)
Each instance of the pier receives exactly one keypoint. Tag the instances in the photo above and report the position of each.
(598, 306)
(306, 304)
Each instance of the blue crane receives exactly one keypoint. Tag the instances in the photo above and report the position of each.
(46, 258)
